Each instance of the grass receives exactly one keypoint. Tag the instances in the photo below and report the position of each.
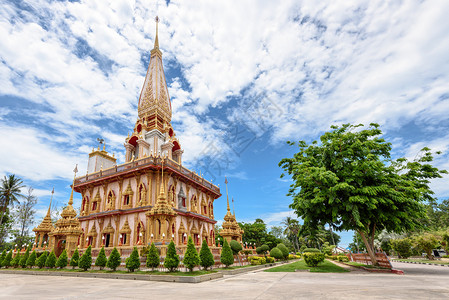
(176, 273)
(324, 267)
(439, 262)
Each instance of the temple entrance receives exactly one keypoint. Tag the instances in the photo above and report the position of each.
(60, 246)
(107, 239)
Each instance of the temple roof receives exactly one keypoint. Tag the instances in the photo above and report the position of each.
(154, 97)
(46, 224)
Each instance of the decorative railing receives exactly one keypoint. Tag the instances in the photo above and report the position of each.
(156, 161)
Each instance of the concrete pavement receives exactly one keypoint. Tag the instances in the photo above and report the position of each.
(420, 282)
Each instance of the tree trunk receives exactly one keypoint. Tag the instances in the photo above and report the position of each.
(370, 248)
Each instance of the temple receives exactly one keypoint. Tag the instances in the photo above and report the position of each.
(151, 197)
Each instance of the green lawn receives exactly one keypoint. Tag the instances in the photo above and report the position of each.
(440, 262)
(324, 267)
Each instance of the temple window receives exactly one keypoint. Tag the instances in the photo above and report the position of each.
(123, 238)
(94, 205)
(126, 200)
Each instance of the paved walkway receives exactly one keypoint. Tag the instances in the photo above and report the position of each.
(420, 282)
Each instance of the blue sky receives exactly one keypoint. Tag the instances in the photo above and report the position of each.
(243, 76)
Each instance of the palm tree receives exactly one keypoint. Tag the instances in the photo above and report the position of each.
(10, 192)
(292, 228)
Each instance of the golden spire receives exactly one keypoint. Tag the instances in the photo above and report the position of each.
(233, 210)
(162, 189)
(51, 199)
(73, 184)
(227, 196)
(156, 40)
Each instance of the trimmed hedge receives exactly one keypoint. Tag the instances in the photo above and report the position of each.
(312, 259)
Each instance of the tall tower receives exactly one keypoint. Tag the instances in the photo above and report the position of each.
(153, 132)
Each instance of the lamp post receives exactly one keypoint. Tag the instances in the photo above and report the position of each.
(140, 239)
(102, 240)
(185, 238)
(163, 237)
(120, 239)
(151, 237)
(45, 245)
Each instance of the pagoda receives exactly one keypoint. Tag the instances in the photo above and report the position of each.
(230, 228)
(151, 197)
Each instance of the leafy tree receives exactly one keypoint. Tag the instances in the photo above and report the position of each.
(206, 256)
(236, 247)
(277, 232)
(7, 261)
(256, 233)
(32, 259)
(133, 261)
(191, 257)
(153, 259)
(24, 218)
(284, 250)
(40, 262)
(62, 260)
(114, 259)
(403, 247)
(438, 215)
(276, 253)
(2, 257)
(85, 261)
(24, 258)
(75, 259)
(350, 182)
(101, 260)
(171, 260)
(226, 256)
(16, 260)
(50, 262)
(427, 242)
(291, 230)
(328, 249)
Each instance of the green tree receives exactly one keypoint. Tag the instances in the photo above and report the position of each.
(62, 260)
(226, 256)
(427, 242)
(191, 257)
(114, 259)
(291, 230)
(24, 258)
(85, 261)
(23, 219)
(171, 261)
(403, 247)
(16, 260)
(75, 259)
(7, 261)
(2, 257)
(32, 259)
(206, 256)
(133, 261)
(276, 253)
(438, 215)
(50, 262)
(236, 247)
(10, 192)
(153, 259)
(40, 262)
(350, 182)
(101, 260)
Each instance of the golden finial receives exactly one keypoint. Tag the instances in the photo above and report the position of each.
(51, 199)
(233, 210)
(73, 184)
(156, 40)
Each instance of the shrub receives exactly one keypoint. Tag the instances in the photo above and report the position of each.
(236, 247)
(191, 257)
(153, 259)
(114, 259)
(50, 262)
(265, 248)
(133, 261)
(31, 261)
(101, 260)
(259, 250)
(276, 253)
(403, 247)
(206, 256)
(342, 258)
(2, 257)
(292, 256)
(85, 261)
(75, 259)
(226, 256)
(327, 249)
(284, 250)
(7, 261)
(16, 260)
(24, 258)
(171, 261)
(427, 242)
(62, 260)
(40, 262)
(310, 250)
(247, 252)
(256, 260)
(312, 259)
(269, 259)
